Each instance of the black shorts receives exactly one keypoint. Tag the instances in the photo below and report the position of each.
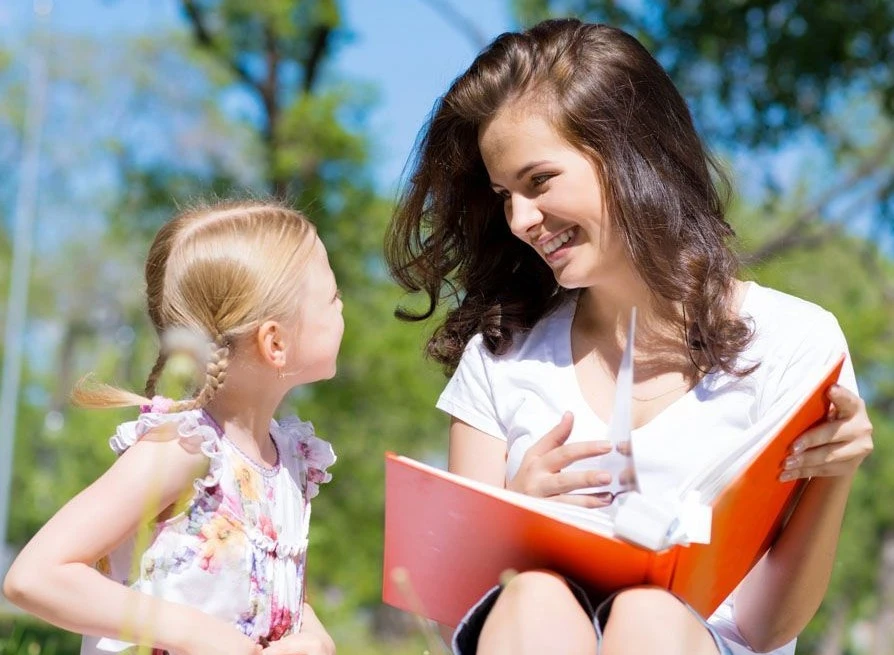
(465, 639)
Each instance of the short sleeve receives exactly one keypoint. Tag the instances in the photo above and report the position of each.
(820, 344)
(311, 454)
(469, 395)
(193, 433)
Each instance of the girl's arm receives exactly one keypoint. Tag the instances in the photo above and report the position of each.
(784, 590)
(53, 577)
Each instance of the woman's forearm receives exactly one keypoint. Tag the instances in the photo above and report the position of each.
(784, 590)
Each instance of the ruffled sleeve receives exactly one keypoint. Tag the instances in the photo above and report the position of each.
(314, 455)
(194, 433)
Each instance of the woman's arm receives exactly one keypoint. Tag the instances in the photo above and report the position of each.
(477, 455)
(53, 577)
(784, 590)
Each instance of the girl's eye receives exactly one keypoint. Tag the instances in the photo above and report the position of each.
(503, 193)
(538, 180)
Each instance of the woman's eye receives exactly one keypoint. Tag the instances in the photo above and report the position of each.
(538, 180)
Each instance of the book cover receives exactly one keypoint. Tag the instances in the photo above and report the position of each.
(449, 539)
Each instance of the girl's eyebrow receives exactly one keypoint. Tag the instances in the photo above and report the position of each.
(524, 170)
(527, 167)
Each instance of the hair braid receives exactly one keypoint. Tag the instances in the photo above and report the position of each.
(215, 375)
(155, 373)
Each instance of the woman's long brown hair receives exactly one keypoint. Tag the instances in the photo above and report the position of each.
(608, 97)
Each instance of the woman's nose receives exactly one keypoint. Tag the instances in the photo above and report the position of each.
(522, 214)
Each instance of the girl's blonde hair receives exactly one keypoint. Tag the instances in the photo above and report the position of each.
(216, 271)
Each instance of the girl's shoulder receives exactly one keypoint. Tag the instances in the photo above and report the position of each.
(303, 451)
(194, 435)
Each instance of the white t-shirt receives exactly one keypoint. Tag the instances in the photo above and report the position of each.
(520, 395)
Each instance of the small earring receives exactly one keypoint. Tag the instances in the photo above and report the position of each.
(279, 374)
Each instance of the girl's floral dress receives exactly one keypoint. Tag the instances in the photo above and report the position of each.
(238, 550)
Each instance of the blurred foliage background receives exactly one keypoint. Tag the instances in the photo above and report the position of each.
(796, 96)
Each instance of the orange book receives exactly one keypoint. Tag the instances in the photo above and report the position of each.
(449, 539)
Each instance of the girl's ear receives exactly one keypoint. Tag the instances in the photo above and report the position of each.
(272, 344)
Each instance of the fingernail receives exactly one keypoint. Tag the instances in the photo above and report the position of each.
(603, 478)
(791, 462)
(798, 447)
(785, 477)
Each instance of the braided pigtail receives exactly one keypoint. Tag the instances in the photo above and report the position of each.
(155, 373)
(215, 375)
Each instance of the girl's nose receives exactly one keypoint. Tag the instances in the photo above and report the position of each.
(522, 214)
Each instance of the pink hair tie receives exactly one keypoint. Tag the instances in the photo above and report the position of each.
(159, 405)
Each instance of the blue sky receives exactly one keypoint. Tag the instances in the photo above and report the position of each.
(405, 48)
(409, 53)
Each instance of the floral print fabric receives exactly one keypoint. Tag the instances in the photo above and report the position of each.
(238, 550)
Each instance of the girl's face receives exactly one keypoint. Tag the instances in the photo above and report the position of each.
(552, 198)
(320, 325)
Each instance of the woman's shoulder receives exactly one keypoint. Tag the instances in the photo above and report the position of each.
(527, 344)
(790, 329)
(781, 315)
(302, 450)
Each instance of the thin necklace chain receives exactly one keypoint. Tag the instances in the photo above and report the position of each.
(601, 363)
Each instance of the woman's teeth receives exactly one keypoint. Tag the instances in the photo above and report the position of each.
(554, 244)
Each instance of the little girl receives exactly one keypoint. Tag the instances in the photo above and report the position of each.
(246, 289)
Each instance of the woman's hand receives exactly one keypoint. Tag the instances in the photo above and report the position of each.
(835, 448)
(541, 475)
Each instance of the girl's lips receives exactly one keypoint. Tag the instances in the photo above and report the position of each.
(562, 250)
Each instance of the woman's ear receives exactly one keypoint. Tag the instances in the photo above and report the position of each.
(271, 344)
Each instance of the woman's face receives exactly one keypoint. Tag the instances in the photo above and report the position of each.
(552, 198)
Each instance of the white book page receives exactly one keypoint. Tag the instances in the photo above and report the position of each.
(711, 480)
(619, 429)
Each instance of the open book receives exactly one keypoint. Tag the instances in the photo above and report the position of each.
(449, 539)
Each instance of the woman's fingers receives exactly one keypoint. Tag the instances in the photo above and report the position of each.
(567, 481)
(560, 457)
(554, 438)
(847, 403)
(585, 500)
(827, 460)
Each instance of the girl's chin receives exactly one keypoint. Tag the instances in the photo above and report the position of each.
(568, 277)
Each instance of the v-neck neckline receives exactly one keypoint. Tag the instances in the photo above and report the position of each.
(565, 352)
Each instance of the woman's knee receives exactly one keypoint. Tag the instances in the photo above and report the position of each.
(649, 601)
(536, 588)
(631, 609)
(537, 612)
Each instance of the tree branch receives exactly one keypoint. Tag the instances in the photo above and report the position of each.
(319, 45)
(789, 237)
(462, 24)
(206, 40)
(796, 237)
